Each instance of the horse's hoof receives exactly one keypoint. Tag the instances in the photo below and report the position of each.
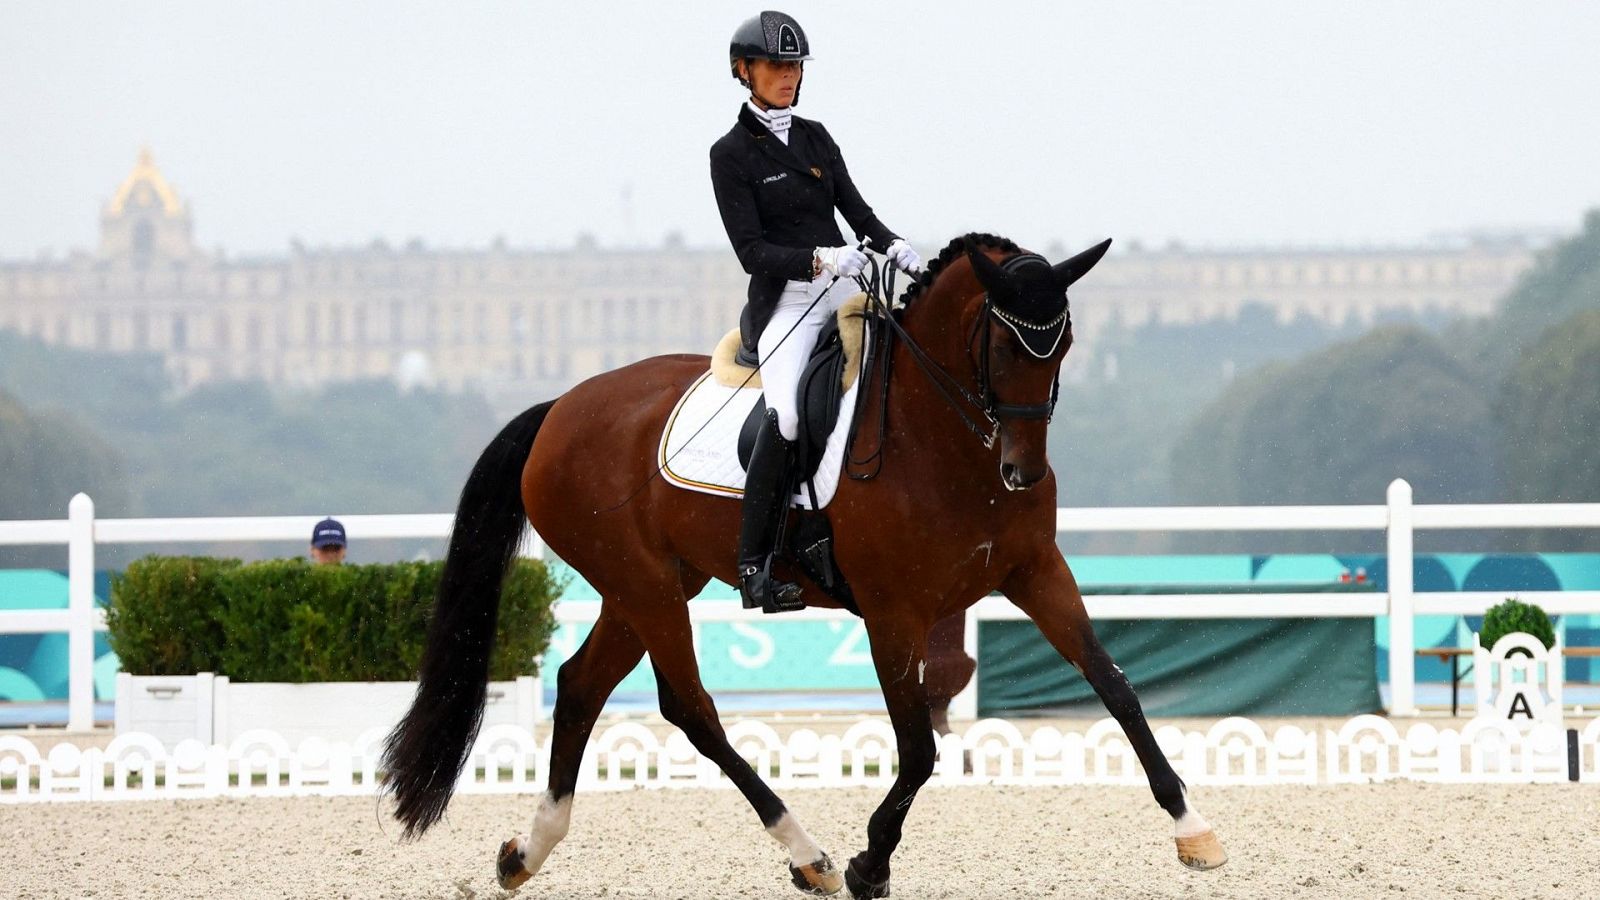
(820, 878)
(1201, 852)
(860, 888)
(509, 870)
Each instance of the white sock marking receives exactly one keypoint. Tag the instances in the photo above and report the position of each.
(549, 827)
(1190, 824)
(789, 833)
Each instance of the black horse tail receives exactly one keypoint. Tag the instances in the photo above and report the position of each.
(425, 753)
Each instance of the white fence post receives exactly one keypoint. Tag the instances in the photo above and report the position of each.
(1402, 635)
(964, 705)
(80, 613)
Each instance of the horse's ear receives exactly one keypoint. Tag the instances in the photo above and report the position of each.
(993, 278)
(1071, 270)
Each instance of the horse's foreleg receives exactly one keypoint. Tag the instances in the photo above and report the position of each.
(1048, 593)
(582, 686)
(899, 653)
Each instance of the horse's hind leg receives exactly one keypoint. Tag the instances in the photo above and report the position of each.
(686, 704)
(585, 681)
(1047, 592)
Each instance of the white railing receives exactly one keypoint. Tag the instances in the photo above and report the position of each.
(508, 759)
(82, 532)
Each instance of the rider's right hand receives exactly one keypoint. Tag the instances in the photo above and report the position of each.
(845, 262)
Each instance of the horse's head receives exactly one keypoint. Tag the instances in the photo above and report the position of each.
(1018, 330)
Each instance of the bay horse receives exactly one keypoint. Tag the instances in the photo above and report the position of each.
(964, 505)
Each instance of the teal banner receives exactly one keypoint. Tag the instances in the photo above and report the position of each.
(1189, 667)
(755, 656)
(765, 654)
(33, 667)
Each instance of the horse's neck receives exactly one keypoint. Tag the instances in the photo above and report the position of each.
(918, 405)
(939, 330)
(937, 319)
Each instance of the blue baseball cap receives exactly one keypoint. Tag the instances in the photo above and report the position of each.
(328, 533)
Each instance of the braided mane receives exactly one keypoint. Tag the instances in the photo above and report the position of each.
(957, 247)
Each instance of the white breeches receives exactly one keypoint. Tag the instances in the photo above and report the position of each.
(781, 365)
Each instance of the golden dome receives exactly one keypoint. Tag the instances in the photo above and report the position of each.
(145, 173)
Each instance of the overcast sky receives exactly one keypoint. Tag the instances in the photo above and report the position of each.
(1237, 124)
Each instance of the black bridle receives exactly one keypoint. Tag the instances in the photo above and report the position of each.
(950, 387)
(992, 406)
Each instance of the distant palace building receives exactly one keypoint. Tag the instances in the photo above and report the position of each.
(523, 325)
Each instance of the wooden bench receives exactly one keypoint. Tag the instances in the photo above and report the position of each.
(1454, 654)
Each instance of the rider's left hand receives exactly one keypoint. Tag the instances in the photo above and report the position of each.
(904, 258)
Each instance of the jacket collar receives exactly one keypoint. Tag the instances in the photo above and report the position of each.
(781, 153)
(755, 126)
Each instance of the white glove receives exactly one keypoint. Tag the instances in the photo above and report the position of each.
(845, 262)
(904, 258)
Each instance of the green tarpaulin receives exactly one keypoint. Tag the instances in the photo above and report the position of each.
(1191, 667)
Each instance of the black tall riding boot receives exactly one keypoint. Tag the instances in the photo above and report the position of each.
(766, 504)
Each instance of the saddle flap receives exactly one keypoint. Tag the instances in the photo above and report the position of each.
(748, 431)
(821, 389)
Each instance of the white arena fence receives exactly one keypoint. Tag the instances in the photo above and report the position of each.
(1399, 519)
(508, 759)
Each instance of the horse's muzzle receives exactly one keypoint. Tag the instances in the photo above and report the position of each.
(1015, 479)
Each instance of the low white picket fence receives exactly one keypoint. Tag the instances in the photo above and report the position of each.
(508, 759)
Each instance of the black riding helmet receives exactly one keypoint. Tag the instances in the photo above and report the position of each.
(772, 35)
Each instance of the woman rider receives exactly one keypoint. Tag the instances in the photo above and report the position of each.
(778, 179)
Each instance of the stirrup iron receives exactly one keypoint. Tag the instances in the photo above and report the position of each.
(758, 588)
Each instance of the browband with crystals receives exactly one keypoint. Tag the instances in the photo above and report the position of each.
(1034, 334)
(1028, 333)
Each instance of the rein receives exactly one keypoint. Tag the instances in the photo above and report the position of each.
(878, 290)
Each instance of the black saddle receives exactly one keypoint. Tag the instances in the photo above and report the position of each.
(821, 391)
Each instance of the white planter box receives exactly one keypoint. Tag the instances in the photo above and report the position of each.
(168, 707)
(214, 710)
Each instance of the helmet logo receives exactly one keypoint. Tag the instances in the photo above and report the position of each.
(788, 41)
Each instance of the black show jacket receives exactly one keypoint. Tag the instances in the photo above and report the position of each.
(777, 205)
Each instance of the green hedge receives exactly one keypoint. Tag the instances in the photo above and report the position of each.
(288, 620)
(162, 615)
(1512, 615)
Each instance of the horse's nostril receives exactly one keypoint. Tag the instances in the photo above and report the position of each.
(1011, 477)
(1016, 478)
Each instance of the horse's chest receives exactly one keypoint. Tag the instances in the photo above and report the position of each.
(935, 552)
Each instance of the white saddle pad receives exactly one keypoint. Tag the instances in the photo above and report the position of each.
(700, 446)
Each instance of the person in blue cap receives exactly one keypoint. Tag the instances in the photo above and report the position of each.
(328, 543)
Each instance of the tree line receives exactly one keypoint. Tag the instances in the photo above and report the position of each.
(116, 427)
(1505, 409)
